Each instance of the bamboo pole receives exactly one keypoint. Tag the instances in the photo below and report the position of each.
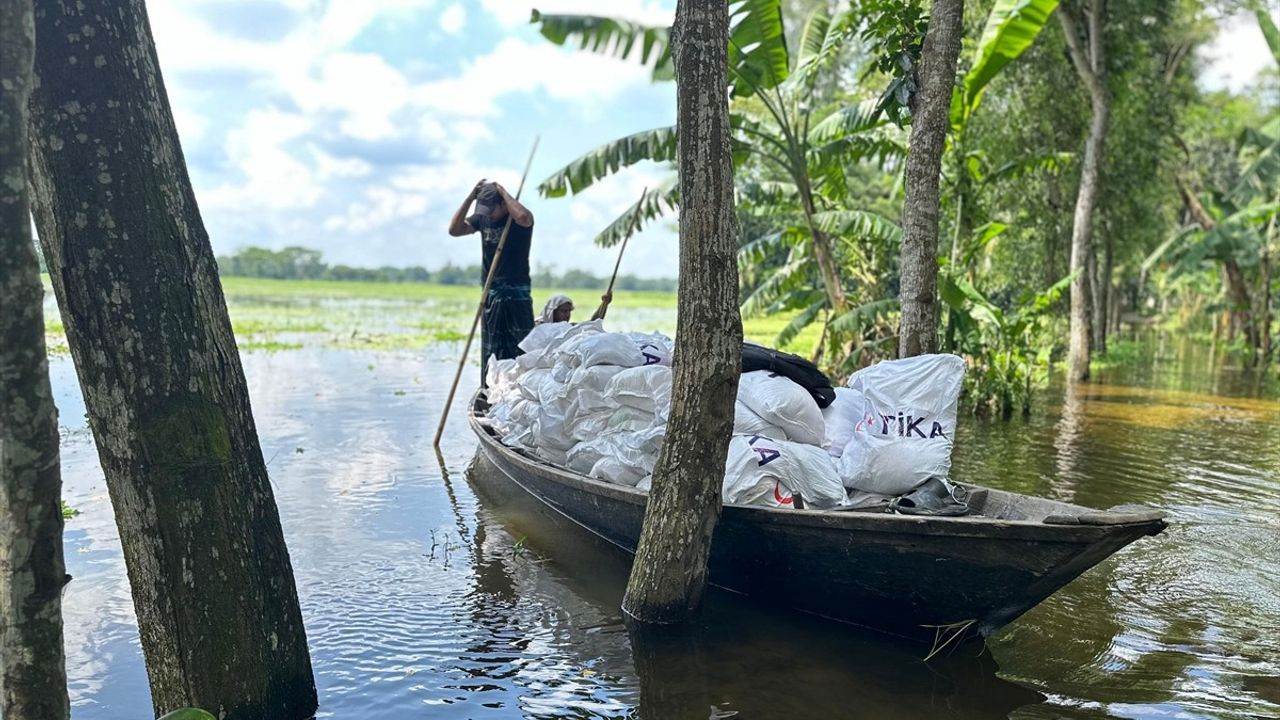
(484, 294)
(631, 229)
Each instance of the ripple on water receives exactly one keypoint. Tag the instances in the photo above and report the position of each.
(422, 599)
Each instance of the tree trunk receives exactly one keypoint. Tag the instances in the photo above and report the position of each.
(33, 677)
(918, 331)
(670, 569)
(1234, 285)
(1091, 66)
(1266, 306)
(147, 324)
(1102, 297)
(1238, 296)
(1095, 297)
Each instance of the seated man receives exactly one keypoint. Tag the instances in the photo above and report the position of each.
(560, 307)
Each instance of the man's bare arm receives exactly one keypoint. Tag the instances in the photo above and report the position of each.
(519, 213)
(458, 226)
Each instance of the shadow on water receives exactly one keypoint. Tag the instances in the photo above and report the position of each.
(738, 659)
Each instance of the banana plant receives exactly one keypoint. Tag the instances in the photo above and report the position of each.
(1009, 362)
(791, 152)
(1235, 228)
(1011, 28)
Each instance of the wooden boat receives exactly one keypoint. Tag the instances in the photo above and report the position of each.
(905, 575)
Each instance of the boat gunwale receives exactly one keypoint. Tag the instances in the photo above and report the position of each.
(976, 526)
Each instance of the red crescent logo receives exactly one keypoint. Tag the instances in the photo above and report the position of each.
(777, 495)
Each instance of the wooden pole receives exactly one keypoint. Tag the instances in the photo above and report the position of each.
(484, 294)
(631, 229)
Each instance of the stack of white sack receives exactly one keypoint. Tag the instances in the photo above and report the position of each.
(899, 417)
(776, 451)
(584, 398)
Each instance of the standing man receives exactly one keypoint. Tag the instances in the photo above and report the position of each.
(508, 308)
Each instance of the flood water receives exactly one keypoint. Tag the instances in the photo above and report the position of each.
(424, 599)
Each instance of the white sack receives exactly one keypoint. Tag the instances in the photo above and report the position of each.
(565, 341)
(745, 481)
(555, 456)
(783, 404)
(583, 456)
(655, 348)
(840, 418)
(909, 430)
(552, 429)
(530, 383)
(607, 349)
(590, 426)
(747, 422)
(645, 388)
(762, 471)
(594, 378)
(623, 458)
(542, 335)
(613, 470)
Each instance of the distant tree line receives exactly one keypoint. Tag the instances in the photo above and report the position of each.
(299, 263)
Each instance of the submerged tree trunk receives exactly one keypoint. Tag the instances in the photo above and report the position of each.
(918, 332)
(33, 677)
(166, 396)
(1090, 64)
(670, 569)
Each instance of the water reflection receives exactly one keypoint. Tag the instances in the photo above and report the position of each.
(429, 591)
(742, 660)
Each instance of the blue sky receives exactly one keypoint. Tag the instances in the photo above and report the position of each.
(357, 126)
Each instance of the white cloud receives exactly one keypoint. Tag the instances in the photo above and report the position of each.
(453, 18)
(515, 66)
(307, 139)
(1237, 54)
(274, 178)
(516, 12)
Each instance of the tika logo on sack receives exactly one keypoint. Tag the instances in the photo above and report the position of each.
(650, 358)
(902, 425)
(777, 494)
(767, 454)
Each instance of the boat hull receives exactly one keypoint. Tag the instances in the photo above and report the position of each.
(903, 575)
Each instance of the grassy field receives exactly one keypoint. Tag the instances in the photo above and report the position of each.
(281, 315)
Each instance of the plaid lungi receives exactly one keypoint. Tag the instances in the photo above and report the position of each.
(508, 318)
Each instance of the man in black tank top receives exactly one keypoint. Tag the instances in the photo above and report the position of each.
(508, 308)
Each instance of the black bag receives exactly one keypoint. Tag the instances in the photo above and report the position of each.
(793, 367)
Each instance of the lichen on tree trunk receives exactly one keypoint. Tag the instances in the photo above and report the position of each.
(147, 325)
(918, 331)
(33, 678)
(669, 573)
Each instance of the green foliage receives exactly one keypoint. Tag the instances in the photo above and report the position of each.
(656, 145)
(1011, 27)
(758, 57)
(1007, 354)
(68, 512)
(656, 203)
(283, 265)
(893, 33)
(1269, 31)
(607, 36)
